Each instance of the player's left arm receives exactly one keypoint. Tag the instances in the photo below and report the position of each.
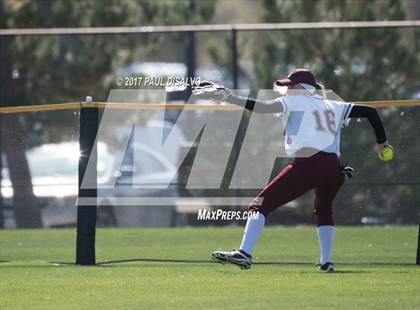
(259, 106)
(219, 93)
(365, 111)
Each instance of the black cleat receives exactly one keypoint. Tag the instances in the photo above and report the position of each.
(236, 257)
(327, 267)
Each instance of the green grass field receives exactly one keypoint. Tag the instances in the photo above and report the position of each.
(170, 268)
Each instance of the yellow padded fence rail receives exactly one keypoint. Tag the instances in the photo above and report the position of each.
(162, 106)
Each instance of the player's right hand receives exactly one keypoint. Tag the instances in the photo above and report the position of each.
(386, 152)
(210, 91)
(382, 146)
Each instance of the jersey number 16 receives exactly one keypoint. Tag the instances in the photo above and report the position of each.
(328, 120)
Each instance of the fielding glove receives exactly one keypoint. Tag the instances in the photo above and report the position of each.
(210, 91)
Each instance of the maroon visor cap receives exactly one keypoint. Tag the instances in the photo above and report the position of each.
(298, 76)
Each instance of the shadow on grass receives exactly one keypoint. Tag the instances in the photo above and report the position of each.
(273, 263)
(110, 263)
(339, 271)
(156, 260)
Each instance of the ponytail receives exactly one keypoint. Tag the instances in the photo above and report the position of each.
(320, 90)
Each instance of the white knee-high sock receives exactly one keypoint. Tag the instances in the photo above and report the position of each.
(251, 233)
(326, 238)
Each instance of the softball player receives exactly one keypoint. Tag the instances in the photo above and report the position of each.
(316, 164)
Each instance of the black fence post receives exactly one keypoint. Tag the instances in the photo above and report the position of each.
(418, 248)
(234, 58)
(190, 60)
(190, 54)
(86, 212)
(1, 167)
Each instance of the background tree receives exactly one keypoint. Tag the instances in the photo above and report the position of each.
(62, 68)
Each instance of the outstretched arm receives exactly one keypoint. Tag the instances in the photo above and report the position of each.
(258, 106)
(211, 91)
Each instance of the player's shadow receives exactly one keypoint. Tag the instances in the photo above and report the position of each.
(189, 261)
(155, 260)
(110, 263)
(338, 271)
(265, 263)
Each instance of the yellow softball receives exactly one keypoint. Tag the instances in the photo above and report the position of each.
(387, 154)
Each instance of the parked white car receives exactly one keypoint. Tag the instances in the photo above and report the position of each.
(54, 172)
